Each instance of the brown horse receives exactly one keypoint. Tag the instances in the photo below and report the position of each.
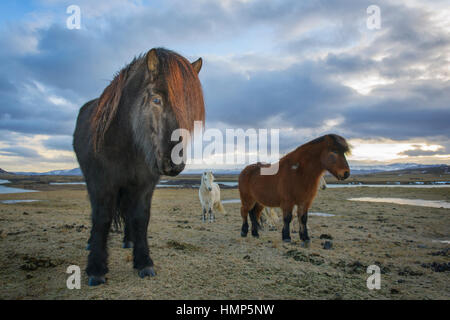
(295, 183)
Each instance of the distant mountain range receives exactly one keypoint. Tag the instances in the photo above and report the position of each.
(361, 169)
(69, 172)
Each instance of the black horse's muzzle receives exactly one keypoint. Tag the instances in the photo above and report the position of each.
(171, 169)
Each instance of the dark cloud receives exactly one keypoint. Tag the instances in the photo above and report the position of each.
(19, 152)
(262, 66)
(59, 143)
(299, 96)
(419, 152)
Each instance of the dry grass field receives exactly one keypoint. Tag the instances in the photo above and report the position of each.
(196, 260)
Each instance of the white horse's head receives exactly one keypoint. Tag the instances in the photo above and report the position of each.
(207, 179)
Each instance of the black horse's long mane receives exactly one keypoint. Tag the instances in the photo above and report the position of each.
(183, 87)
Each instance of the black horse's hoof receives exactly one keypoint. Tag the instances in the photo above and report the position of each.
(255, 234)
(287, 240)
(127, 244)
(88, 247)
(147, 272)
(243, 234)
(96, 280)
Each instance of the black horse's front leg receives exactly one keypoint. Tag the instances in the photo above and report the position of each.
(97, 259)
(139, 225)
(285, 233)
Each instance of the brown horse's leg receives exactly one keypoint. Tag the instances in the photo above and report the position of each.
(303, 230)
(244, 213)
(255, 214)
(287, 218)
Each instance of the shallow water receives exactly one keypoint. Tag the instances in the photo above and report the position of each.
(321, 214)
(231, 201)
(6, 190)
(413, 202)
(388, 185)
(169, 185)
(441, 241)
(62, 183)
(16, 201)
(84, 183)
(4, 181)
(227, 183)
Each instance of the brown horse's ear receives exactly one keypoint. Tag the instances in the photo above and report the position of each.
(197, 65)
(152, 62)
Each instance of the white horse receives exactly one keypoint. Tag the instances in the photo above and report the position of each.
(209, 194)
(270, 216)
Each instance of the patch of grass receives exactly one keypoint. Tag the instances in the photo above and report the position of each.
(181, 246)
(300, 256)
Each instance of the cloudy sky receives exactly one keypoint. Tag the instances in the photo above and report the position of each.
(305, 67)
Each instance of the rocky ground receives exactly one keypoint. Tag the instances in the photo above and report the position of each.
(196, 260)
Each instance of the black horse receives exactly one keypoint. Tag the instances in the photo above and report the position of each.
(123, 144)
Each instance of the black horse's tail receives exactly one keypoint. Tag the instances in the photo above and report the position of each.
(118, 220)
(118, 217)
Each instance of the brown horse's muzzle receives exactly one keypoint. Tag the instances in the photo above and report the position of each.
(344, 175)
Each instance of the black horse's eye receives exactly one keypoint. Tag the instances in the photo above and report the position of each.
(156, 101)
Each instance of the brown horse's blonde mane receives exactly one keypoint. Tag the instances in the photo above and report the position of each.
(183, 87)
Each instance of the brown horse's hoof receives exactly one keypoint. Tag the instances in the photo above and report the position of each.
(147, 272)
(243, 234)
(96, 280)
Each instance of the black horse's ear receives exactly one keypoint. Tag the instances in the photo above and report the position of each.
(197, 65)
(152, 62)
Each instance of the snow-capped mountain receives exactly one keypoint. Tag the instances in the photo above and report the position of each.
(355, 169)
(364, 169)
(69, 172)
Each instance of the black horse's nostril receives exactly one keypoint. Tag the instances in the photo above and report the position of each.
(346, 174)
